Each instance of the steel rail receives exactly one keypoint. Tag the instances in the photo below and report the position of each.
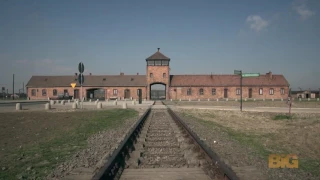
(229, 174)
(118, 157)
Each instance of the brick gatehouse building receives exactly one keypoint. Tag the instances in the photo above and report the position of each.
(268, 86)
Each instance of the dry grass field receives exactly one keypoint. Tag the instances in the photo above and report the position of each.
(34, 143)
(295, 104)
(248, 138)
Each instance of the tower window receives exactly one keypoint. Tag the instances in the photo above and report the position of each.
(150, 63)
(151, 75)
(165, 62)
(164, 75)
(157, 63)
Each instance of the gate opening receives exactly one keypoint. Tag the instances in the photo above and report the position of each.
(96, 94)
(158, 91)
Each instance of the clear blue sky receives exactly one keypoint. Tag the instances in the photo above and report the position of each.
(204, 36)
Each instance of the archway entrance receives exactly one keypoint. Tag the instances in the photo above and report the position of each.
(127, 94)
(96, 93)
(157, 91)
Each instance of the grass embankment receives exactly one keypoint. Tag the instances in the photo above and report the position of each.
(295, 134)
(36, 142)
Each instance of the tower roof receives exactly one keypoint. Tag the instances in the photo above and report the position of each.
(158, 56)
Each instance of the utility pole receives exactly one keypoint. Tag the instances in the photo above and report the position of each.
(13, 88)
(240, 90)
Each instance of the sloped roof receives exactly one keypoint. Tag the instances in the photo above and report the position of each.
(89, 80)
(158, 56)
(227, 80)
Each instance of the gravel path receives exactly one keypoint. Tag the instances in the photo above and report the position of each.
(99, 145)
(237, 155)
(163, 144)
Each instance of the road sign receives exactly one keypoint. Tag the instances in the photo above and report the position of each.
(237, 72)
(73, 85)
(80, 79)
(251, 75)
(81, 67)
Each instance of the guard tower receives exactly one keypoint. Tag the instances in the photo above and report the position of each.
(158, 72)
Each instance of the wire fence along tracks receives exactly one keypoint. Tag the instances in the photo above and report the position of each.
(161, 146)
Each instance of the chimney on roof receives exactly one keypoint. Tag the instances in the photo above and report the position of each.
(269, 75)
(158, 49)
(137, 73)
(90, 74)
(76, 74)
(121, 74)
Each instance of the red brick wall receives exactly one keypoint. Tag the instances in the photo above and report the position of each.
(181, 93)
(108, 92)
(158, 78)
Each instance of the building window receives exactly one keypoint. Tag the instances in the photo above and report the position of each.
(164, 75)
(33, 92)
(189, 92)
(282, 91)
(65, 92)
(260, 91)
(115, 92)
(271, 91)
(213, 92)
(201, 91)
(55, 92)
(151, 75)
(238, 91)
(44, 92)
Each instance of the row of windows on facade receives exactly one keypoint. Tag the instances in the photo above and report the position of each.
(164, 75)
(238, 91)
(55, 92)
(158, 63)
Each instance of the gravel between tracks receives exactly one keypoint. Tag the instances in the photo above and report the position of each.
(98, 145)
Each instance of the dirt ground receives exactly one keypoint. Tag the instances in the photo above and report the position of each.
(297, 104)
(248, 138)
(34, 143)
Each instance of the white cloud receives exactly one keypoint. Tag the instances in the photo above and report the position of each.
(257, 23)
(301, 8)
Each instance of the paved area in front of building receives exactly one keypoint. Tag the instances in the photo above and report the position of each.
(86, 105)
(256, 109)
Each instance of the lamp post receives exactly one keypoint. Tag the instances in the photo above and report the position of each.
(239, 72)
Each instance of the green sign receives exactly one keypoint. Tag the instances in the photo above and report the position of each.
(237, 72)
(251, 75)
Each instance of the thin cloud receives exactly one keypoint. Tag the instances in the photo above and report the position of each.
(257, 23)
(301, 8)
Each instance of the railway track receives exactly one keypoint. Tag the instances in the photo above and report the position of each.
(161, 146)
